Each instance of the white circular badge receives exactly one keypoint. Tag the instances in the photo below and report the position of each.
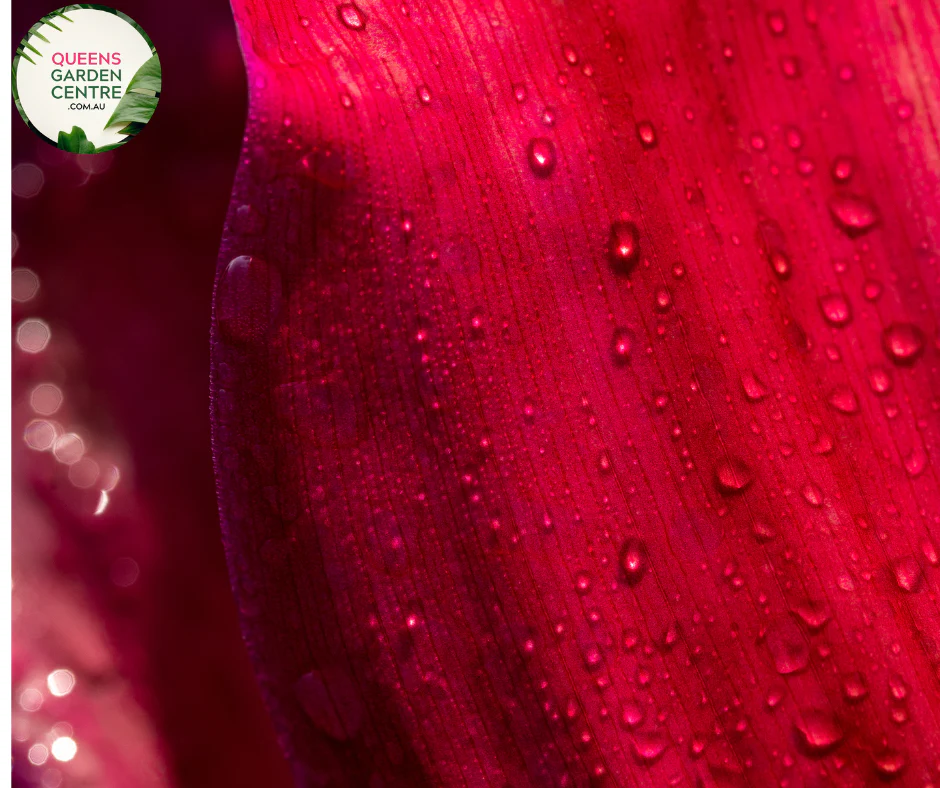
(86, 78)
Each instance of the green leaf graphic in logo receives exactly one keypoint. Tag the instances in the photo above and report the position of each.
(75, 141)
(140, 99)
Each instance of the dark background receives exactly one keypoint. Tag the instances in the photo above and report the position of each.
(126, 257)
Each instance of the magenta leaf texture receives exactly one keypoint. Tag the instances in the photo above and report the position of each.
(575, 391)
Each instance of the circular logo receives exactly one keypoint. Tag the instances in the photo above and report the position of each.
(86, 78)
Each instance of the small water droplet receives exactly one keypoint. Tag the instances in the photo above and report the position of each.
(854, 687)
(904, 110)
(889, 764)
(774, 696)
(541, 154)
(836, 309)
(424, 94)
(929, 551)
(814, 614)
(248, 298)
(853, 214)
(663, 299)
(408, 225)
(754, 389)
(762, 531)
(903, 343)
(819, 732)
(813, 494)
(780, 262)
(351, 16)
(621, 346)
(646, 133)
(623, 246)
(777, 22)
(907, 574)
(915, 462)
(631, 713)
(582, 582)
(794, 138)
(733, 476)
(790, 67)
(879, 378)
(633, 561)
(649, 746)
(520, 92)
(788, 648)
(843, 168)
(872, 289)
(570, 54)
(843, 399)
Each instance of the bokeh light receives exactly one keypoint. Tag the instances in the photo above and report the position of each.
(69, 448)
(27, 180)
(45, 399)
(24, 283)
(38, 754)
(60, 682)
(32, 335)
(40, 435)
(64, 748)
(30, 699)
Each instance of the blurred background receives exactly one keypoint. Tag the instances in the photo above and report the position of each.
(128, 667)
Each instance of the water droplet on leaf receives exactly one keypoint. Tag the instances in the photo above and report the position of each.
(633, 561)
(854, 215)
(541, 155)
(733, 476)
(351, 16)
(903, 343)
(836, 309)
(623, 246)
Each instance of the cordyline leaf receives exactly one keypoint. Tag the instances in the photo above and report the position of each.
(75, 141)
(138, 103)
(574, 391)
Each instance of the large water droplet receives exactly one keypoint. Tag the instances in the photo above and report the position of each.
(649, 746)
(541, 155)
(854, 215)
(788, 648)
(633, 561)
(819, 732)
(754, 389)
(623, 246)
(903, 343)
(814, 614)
(248, 298)
(351, 16)
(836, 309)
(915, 462)
(813, 494)
(843, 399)
(907, 574)
(733, 476)
(889, 764)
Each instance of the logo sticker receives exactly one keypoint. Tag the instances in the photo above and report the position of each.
(86, 78)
